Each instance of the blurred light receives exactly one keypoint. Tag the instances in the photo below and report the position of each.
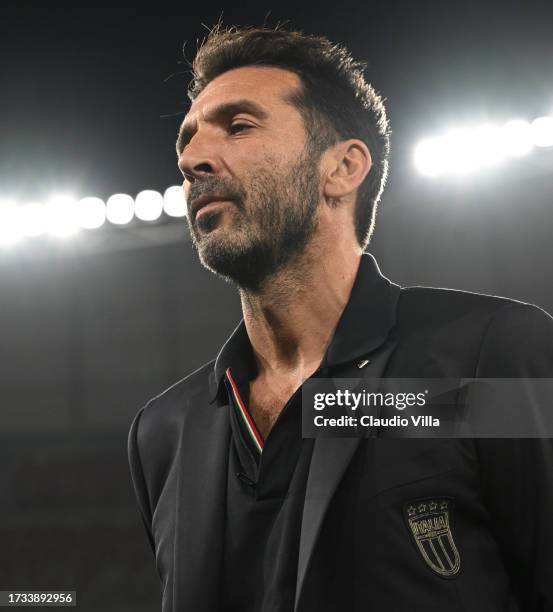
(148, 205)
(120, 208)
(32, 219)
(542, 131)
(10, 231)
(429, 157)
(517, 137)
(91, 213)
(487, 146)
(61, 216)
(174, 204)
(461, 150)
(457, 151)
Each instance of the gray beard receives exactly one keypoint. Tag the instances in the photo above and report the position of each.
(274, 230)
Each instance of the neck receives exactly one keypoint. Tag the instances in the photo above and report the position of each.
(292, 320)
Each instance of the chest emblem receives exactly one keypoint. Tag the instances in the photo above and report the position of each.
(429, 521)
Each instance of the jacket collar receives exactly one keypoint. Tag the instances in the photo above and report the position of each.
(372, 302)
(367, 318)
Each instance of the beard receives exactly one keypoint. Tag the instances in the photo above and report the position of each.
(273, 219)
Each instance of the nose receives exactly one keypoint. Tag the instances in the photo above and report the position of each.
(198, 159)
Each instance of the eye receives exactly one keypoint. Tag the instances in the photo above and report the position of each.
(235, 128)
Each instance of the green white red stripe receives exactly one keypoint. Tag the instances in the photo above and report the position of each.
(248, 421)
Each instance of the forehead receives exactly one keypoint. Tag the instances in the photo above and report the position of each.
(266, 85)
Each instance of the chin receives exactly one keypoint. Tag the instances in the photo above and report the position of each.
(216, 231)
(218, 247)
(242, 264)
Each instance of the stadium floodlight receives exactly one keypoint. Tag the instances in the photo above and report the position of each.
(120, 209)
(91, 213)
(32, 219)
(148, 205)
(174, 203)
(487, 146)
(10, 229)
(461, 150)
(61, 216)
(542, 131)
(517, 137)
(430, 158)
(457, 150)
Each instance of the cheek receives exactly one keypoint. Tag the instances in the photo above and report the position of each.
(258, 154)
(275, 157)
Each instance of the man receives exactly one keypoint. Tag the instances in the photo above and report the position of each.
(284, 153)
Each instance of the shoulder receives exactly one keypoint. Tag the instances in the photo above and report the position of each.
(432, 306)
(435, 301)
(502, 331)
(159, 423)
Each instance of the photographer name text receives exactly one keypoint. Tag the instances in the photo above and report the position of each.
(421, 420)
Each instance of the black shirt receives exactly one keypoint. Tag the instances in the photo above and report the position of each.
(266, 490)
(265, 494)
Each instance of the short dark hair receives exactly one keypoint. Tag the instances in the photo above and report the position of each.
(335, 101)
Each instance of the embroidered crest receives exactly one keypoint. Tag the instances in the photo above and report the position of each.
(429, 522)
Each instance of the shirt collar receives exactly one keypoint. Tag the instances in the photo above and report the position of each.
(364, 325)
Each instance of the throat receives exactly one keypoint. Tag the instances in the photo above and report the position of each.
(266, 402)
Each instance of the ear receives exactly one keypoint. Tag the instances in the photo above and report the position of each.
(348, 163)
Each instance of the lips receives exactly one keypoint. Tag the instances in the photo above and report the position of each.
(204, 200)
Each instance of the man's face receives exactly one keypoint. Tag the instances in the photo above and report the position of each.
(251, 183)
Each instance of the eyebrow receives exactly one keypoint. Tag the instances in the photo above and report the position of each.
(224, 110)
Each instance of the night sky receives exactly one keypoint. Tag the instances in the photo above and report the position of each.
(88, 104)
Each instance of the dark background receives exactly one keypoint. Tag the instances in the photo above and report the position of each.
(94, 326)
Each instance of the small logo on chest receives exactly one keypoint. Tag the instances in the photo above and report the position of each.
(429, 521)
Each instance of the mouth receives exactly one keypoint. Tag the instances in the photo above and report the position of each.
(207, 202)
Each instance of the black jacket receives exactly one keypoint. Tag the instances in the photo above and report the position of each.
(497, 494)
